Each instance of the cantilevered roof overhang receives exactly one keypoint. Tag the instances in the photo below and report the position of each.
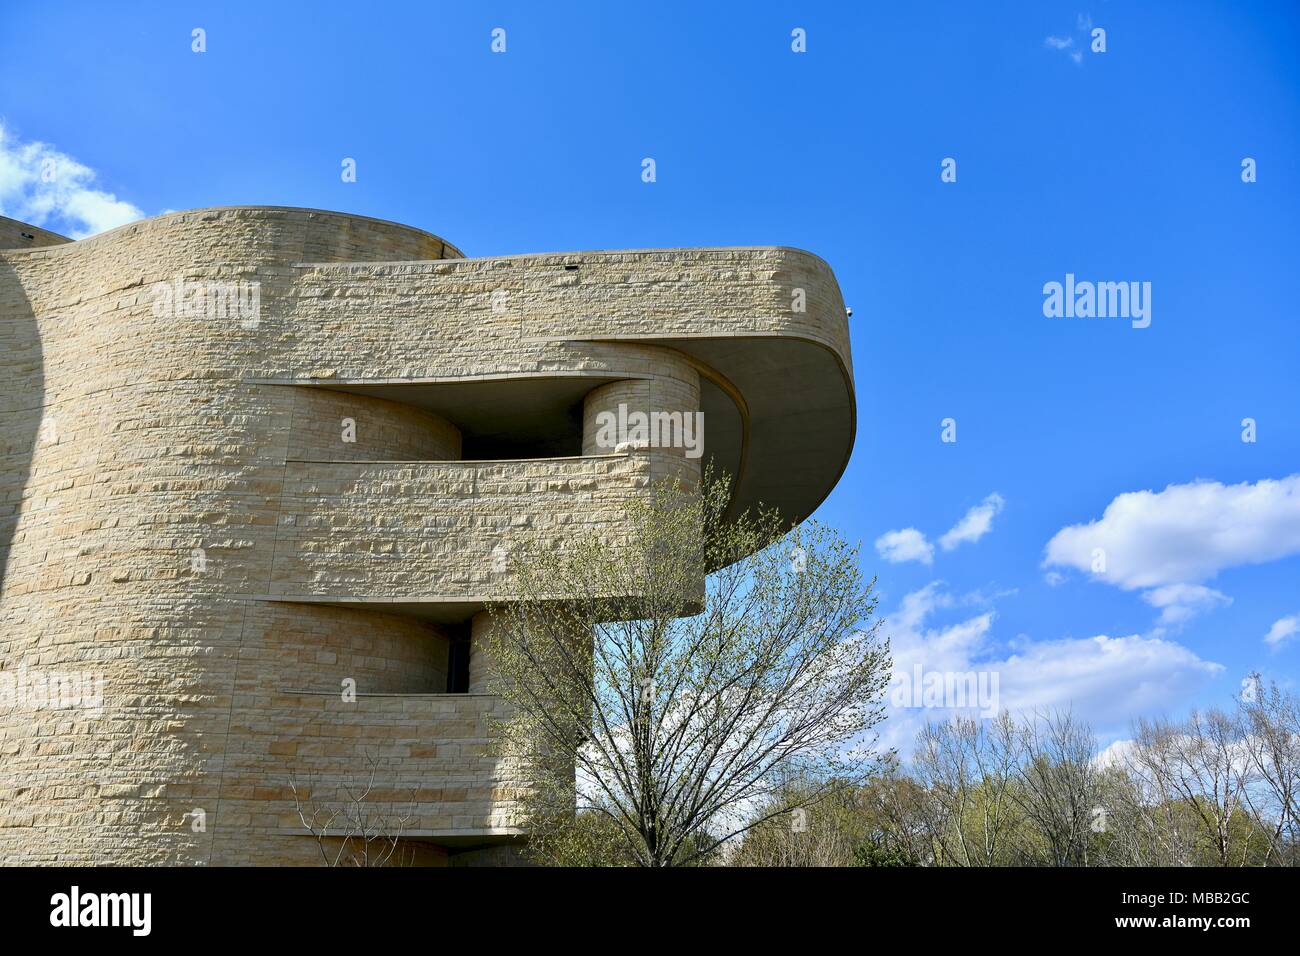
(777, 382)
(780, 413)
(765, 327)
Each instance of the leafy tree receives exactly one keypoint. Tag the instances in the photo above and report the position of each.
(668, 681)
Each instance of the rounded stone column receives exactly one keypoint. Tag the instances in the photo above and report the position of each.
(658, 416)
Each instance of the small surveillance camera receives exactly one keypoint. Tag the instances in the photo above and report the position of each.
(848, 312)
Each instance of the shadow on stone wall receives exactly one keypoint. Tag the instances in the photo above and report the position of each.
(22, 395)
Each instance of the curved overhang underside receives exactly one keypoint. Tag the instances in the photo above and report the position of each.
(779, 416)
(779, 410)
(779, 406)
(779, 413)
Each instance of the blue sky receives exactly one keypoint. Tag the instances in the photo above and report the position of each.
(1115, 166)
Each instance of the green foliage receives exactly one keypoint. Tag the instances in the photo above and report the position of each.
(665, 677)
(869, 854)
(1217, 789)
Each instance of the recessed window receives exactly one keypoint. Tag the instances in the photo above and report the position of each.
(458, 667)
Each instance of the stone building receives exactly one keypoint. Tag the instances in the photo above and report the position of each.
(250, 454)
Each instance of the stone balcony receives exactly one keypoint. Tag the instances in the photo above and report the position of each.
(436, 537)
(433, 765)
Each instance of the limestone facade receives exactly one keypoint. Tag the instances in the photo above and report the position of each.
(250, 454)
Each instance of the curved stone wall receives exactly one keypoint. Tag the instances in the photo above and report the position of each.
(141, 492)
(196, 563)
(338, 426)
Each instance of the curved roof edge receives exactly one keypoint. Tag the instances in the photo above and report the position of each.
(181, 213)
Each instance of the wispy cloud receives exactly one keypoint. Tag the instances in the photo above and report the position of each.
(907, 544)
(47, 188)
(1105, 680)
(1283, 631)
(975, 524)
(1179, 603)
(1065, 44)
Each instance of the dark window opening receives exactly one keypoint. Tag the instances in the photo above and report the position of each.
(507, 448)
(526, 431)
(458, 666)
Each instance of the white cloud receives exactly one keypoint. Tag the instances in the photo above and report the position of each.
(909, 544)
(1105, 680)
(976, 523)
(1118, 754)
(1282, 631)
(1065, 44)
(905, 545)
(1179, 603)
(47, 188)
(1184, 534)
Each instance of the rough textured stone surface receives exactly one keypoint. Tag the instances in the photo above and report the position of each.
(196, 509)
